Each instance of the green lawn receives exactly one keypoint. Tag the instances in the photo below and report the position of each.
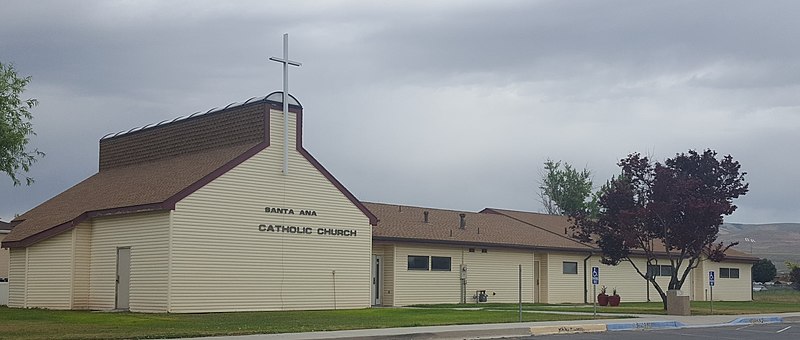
(775, 300)
(47, 324)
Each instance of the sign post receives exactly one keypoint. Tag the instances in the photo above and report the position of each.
(595, 281)
(711, 286)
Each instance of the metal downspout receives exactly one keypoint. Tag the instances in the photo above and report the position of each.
(585, 283)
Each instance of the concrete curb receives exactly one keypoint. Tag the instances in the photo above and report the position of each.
(568, 329)
(628, 326)
(750, 321)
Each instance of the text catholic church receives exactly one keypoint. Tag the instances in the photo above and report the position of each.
(199, 215)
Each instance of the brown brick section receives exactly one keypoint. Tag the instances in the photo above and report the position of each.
(234, 126)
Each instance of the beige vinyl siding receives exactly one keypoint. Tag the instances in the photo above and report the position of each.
(543, 259)
(565, 288)
(222, 262)
(727, 289)
(426, 286)
(388, 275)
(387, 291)
(4, 258)
(81, 264)
(663, 282)
(16, 277)
(48, 273)
(495, 271)
(699, 292)
(630, 285)
(147, 236)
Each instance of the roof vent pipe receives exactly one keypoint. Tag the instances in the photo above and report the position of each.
(463, 224)
(425, 215)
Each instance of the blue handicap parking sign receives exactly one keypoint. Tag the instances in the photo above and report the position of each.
(711, 278)
(595, 275)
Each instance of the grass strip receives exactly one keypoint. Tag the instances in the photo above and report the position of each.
(27, 324)
(770, 301)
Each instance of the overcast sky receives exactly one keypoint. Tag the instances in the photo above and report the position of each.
(447, 104)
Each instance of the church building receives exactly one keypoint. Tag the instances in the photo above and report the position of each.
(210, 213)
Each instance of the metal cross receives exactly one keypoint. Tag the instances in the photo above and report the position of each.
(285, 97)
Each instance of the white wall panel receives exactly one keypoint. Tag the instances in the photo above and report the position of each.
(81, 265)
(147, 236)
(16, 277)
(4, 259)
(565, 287)
(496, 271)
(729, 289)
(222, 262)
(49, 273)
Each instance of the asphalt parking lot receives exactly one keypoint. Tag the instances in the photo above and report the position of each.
(778, 331)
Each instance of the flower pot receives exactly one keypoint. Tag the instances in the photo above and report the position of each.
(613, 300)
(602, 299)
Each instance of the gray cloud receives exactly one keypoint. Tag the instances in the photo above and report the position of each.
(444, 104)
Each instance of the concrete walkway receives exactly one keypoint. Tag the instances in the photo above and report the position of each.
(485, 331)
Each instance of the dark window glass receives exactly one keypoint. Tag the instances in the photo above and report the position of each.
(570, 267)
(484, 250)
(653, 270)
(729, 273)
(417, 262)
(440, 263)
(666, 270)
(471, 250)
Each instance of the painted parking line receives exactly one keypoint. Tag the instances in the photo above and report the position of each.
(780, 331)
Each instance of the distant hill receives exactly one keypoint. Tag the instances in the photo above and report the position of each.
(776, 241)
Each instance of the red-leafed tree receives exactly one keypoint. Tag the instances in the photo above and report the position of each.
(669, 211)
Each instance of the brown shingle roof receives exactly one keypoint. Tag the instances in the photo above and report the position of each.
(142, 187)
(150, 169)
(556, 224)
(153, 168)
(406, 223)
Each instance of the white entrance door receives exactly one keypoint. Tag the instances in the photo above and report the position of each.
(123, 277)
(377, 279)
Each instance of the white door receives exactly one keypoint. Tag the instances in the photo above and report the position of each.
(377, 279)
(123, 277)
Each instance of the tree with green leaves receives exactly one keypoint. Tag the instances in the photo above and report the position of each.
(565, 190)
(15, 126)
(764, 271)
(794, 274)
(668, 213)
